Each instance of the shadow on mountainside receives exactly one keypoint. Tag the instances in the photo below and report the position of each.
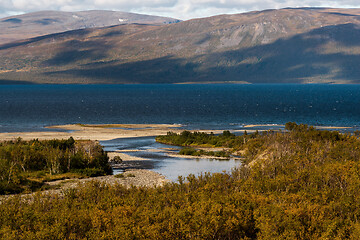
(49, 38)
(161, 70)
(331, 52)
(303, 56)
(13, 82)
(78, 50)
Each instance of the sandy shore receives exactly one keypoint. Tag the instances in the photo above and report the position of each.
(261, 125)
(102, 132)
(132, 177)
(95, 132)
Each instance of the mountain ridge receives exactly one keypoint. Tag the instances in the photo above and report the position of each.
(302, 45)
(48, 22)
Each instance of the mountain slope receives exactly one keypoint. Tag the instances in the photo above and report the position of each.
(47, 22)
(273, 46)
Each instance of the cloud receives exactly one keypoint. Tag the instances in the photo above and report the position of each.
(183, 9)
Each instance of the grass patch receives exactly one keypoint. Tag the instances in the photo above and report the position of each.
(90, 172)
(42, 176)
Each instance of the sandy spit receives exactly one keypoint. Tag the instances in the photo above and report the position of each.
(95, 132)
(99, 132)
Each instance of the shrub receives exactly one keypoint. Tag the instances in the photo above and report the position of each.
(120, 175)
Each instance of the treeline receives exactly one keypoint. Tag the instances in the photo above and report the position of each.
(199, 139)
(192, 140)
(299, 184)
(23, 164)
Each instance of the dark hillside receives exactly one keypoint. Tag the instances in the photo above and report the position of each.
(274, 46)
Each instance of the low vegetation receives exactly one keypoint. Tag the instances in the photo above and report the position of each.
(122, 175)
(194, 152)
(299, 184)
(198, 139)
(190, 140)
(26, 165)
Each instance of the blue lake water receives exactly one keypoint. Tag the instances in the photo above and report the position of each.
(210, 106)
(30, 107)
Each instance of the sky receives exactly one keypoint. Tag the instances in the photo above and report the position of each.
(180, 9)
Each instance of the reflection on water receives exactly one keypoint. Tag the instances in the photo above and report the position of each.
(172, 168)
(161, 162)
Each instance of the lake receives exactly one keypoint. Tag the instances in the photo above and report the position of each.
(208, 106)
(225, 106)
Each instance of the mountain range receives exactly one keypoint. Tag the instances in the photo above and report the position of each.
(47, 22)
(293, 45)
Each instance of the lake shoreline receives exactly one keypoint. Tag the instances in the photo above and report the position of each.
(103, 132)
(100, 132)
(137, 166)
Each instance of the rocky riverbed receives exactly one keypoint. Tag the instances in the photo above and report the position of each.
(129, 178)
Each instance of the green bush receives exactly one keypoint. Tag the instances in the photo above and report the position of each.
(20, 159)
(194, 152)
(188, 151)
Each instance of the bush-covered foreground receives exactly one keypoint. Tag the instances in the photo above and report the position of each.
(25, 165)
(302, 184)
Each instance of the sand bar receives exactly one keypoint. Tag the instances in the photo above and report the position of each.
(95, 132)
(100, 132)
(262, 125)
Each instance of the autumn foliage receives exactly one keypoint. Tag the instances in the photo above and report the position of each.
(299, 184)
(23, 163)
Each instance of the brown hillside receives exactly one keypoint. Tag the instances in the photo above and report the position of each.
(272, 46)
(48, 22)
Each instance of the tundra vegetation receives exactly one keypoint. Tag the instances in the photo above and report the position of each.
(26, 165)
(297, 184)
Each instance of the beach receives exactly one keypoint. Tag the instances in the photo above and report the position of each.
(103, 132)
(94, 132)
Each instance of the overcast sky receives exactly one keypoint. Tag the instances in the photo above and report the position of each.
(181, 9)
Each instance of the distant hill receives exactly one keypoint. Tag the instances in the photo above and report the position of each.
(304, 45)
(47, 22)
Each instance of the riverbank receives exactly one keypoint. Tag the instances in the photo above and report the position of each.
(130, 162)
(133, 174)
(135, 170)
(130, 178)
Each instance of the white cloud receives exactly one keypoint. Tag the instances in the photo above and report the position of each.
(183, 9)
